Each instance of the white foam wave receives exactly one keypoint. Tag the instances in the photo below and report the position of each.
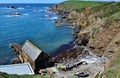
(39, 10)
(12, 15)
(47, 15)
(42, 10)
(46, 8)
(20, 8)
(54, 18)
(26, 14)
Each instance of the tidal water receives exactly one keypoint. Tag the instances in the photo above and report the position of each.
(35, 24)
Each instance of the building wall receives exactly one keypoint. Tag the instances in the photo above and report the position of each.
(26, 59)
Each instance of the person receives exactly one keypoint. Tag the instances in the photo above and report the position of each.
(40, 71)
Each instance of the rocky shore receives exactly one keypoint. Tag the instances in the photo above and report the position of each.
(63, 48)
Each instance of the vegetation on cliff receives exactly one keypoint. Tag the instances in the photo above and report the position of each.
(77, 5)
(85, 13)
(114, 70)
(5, 75)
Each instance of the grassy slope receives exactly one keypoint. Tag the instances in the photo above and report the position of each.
(4, 75)
(108, 9)
(117, 14)
(76, 5)
(114, 71)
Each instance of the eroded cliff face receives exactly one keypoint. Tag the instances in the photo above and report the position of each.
(103, 37)
(101, 34)
(98, 28)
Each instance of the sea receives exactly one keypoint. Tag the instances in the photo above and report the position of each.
(35, 23)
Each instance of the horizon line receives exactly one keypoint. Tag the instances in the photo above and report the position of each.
(28, 3)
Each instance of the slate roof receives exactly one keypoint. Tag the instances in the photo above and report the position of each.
(31, 50)
(19, 69)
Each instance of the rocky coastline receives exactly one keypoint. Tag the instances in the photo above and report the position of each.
(94, 28)
(64, 21)
(71, 47)
(63, 48)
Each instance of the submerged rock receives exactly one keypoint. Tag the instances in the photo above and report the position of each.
(15, 14)
(12, 7)
(15, 61)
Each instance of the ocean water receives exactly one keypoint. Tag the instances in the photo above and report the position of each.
(35, 24)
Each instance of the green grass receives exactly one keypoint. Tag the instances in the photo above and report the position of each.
(117, 14)
(5, 75)
(107, 8)
(76, 5)
(114, 71)
(110, 9)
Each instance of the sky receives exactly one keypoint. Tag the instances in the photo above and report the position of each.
(42, 1)
(31, 1)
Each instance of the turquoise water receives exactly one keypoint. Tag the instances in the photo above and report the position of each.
(34, 24)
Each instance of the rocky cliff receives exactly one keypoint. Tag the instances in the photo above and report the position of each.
(97, 25)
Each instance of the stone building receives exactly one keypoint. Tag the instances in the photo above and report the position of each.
(32, 54)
